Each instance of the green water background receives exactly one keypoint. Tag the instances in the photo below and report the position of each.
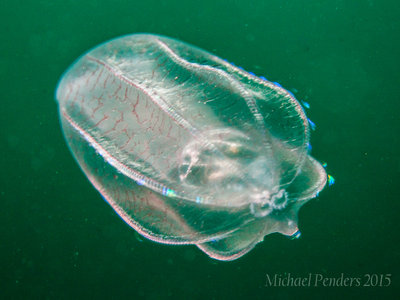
(59, 239)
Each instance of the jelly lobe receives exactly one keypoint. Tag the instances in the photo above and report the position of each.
(187, 148)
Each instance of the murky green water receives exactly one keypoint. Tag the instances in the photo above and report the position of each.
(59, 239)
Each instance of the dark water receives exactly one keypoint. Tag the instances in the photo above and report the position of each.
(59, 239)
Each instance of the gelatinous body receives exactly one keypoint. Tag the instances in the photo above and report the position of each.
(187, 148)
